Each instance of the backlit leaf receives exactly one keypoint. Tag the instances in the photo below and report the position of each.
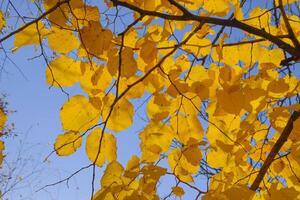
(67, 143)
(101, 147)
(78, 114)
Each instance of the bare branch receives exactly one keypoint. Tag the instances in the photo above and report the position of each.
(276, 148)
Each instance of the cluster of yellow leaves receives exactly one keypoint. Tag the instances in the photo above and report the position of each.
(136, 181)
(195, 113)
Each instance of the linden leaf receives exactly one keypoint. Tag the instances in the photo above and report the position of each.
(59, 36)
(232, 102)
(94, 79)
(148, 51)
(95, 34)
(192, 153)
(178, 191)
(278, 166)
(78, 114)
(63, 72)
(30, 35)
(259, 18)
(129, 65)
(181, 166)
(278, 88)
(121, 116)
(2, 20)
(133, 167)
(284, 2)
(1, 152)
(67, 143)
(3, 119)
(100, 147)
(217, 7)
(198, 45)
(217, 159)
(60, 16)
(158, 107)
(239, 192)
(283, 193)
(187, 128)
(112, 174)
(85, 14)
(155, 139)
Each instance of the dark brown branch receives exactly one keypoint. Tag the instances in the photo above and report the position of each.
(275, 149)
(217, 21)
(288, 26)
(34, 21)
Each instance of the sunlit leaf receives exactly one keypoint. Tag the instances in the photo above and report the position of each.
(78, 114)
(101, 147)
(67, 143)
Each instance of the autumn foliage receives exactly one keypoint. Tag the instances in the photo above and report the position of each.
(219, 84)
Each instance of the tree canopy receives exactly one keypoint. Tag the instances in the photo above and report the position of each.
(218, 81)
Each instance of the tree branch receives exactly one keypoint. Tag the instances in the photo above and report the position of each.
(59, 3)
(288, 26)
(188, 16)
(275, 149)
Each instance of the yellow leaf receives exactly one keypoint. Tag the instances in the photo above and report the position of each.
(63, 72)
(30, 35)
(101, 147)
(133, 163)
(279, 118)
(151, 4)
(95, 34)
(59, 36)
(193, 5)
(239, 192)
(198, 45)
(137, 92)
(158, 107)
(133, 167)
(180, 165)
(284, 2)
(283, 193)
(2, 20)
(187, 128)
(1, 152)
(148, 51)
(96, 102)
(273, 56)
(278, 88)
(112, 174)
(178, 191)
(85, 14)
(217, 159)
(278, 166)
(155, 139)
(129, 65)
(231, 102)
(60, 16)
(95, 79)
(192, 153)
(217, 7)
(121, 116)
(67, 143)
(130, 38)
(259, 18)
(78, 114)
(3, 119)
(1, 146)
